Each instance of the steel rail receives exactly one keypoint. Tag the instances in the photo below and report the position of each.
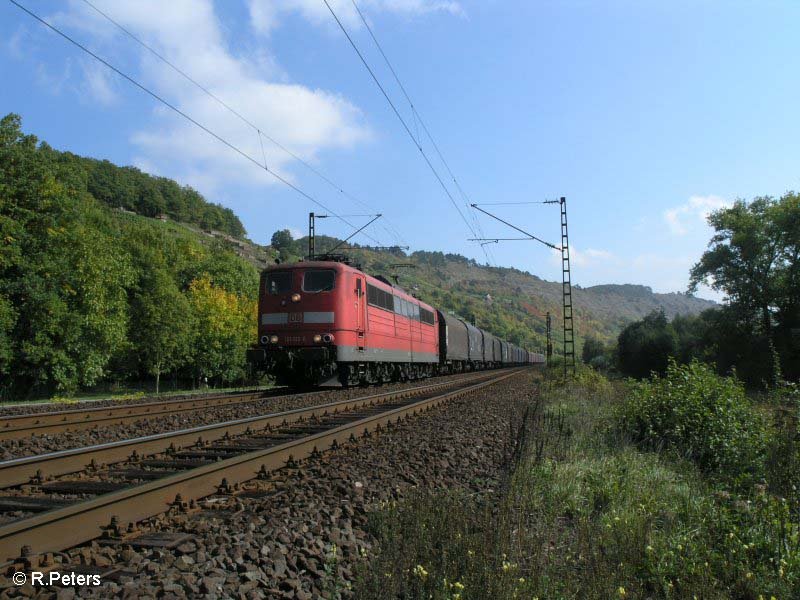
(69, 526)
(20, 471)
(21, 426)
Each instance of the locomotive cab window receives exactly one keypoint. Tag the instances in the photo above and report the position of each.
(279, 283)
(321, 280)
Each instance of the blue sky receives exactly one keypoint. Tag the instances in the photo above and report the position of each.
(645, 115)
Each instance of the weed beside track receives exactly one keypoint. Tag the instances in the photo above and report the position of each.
(586, 513)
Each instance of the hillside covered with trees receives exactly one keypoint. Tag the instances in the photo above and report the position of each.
(91, 295)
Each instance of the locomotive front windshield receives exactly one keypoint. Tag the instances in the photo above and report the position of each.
(279, 283)
(321, 280)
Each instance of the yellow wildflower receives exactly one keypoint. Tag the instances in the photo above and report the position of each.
(420, 572)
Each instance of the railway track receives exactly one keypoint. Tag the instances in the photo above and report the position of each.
(56, 501)
(48, 423)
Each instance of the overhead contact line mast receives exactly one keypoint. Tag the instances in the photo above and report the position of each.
(566, 281)
(566, 292)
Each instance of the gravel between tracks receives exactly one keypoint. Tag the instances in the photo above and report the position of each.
(279, 545)
(42, 444)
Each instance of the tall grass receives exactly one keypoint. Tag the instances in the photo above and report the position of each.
(588, 511)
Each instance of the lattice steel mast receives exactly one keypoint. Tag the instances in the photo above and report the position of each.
(566, 294)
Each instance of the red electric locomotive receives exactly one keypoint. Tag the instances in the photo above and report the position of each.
(327, 323)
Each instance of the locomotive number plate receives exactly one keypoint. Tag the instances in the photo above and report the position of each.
(296, 317)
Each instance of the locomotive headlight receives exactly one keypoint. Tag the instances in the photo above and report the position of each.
(295, 297)
(264, 340)
(317, 339)
(273, 339)
(327, 338)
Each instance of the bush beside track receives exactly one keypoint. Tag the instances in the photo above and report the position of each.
(592, 510)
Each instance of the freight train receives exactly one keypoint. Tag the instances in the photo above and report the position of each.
(325, 322)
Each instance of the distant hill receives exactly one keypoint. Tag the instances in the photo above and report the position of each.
(634, 301)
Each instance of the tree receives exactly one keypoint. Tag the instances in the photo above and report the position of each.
(63, 274)
(7, 319)
(592, 348)
(85, 290)
(163, 324)
(224, 327)
(645, 346)
(228, 271)
(742, 255)
(283, 242)
(753, 258)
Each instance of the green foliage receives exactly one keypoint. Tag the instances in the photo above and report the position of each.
(164, 323)
(620, 523)
(7, 318)
(89, 294)
(645, 346)
(783, 454)
(701, 416)
(130, 189)
(585, 514)
(592, 382)
(753, 258)
(592, 349)
(283, 242)
(717, 337)
(224, 327)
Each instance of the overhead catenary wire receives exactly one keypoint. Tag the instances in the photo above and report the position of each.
(530, 236)
(389, 228)
(179, 111)
(516, 203)
(418, 119)
(399, 116)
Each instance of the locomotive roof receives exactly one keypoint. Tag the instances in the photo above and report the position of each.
(341, 267)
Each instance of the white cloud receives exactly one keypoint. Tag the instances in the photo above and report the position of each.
(53, 80)
(190, 35)
(686, 216)
(265, 14)
(98, 84)
(585, 258)
(14, 45)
